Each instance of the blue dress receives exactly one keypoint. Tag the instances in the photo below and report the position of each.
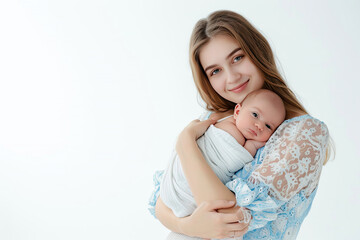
(279, 186)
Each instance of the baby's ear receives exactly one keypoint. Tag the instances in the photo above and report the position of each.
(237, 110)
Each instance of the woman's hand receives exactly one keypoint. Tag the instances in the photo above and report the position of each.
(207, 222)
(197, 128)
(192, 132)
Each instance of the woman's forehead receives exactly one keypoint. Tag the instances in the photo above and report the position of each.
(217, 49)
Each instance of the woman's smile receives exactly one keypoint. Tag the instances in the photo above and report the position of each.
(240, 87)
(230, 76)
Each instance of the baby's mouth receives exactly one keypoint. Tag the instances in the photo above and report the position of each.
(253, 132)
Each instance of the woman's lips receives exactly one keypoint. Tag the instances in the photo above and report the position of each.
(239, 88)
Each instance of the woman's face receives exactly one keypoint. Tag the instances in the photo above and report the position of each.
(232, 74)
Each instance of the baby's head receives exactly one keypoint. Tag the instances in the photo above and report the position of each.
(259, 114)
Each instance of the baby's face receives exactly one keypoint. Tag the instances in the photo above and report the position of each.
(258, 118)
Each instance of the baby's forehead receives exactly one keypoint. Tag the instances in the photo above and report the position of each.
(265, 101)
(261, 97)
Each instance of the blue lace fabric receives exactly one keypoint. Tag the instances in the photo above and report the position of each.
(279, 186)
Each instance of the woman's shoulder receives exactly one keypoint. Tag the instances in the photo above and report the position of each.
(303, 125)
(205, 115)
(304, 120)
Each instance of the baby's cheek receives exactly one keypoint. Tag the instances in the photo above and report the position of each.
(266, 137)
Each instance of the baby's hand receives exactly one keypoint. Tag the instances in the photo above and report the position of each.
(252, 146)
(257, 144)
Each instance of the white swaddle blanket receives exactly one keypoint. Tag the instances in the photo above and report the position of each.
(222, 152)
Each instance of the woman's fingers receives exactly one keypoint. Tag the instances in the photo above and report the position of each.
(240, 233)
(230, 218)
(197, 128)
(236, 226)
(208, 220)
(232, 222)
(217, 204)
(235, 231)
(237, 223)
(243, 215)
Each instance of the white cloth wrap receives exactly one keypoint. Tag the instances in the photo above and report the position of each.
(224, 155)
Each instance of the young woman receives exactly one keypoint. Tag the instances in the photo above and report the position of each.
(229, 59)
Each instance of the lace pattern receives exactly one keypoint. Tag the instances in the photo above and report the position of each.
(293, 158)
(279, 186)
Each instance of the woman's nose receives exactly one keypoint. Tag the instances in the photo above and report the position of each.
(233, 76)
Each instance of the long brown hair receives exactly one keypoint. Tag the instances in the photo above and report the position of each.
(255, 46)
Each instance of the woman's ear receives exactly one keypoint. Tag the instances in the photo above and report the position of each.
(237, 110)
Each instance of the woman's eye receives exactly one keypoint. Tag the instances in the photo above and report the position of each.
(268, 126)
(255, 114)
(216, 71)
(238, 58)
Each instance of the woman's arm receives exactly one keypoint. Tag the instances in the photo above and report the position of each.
(167, 217)
(204, 222)
(204, 183)
(289, 165)
(294, 159)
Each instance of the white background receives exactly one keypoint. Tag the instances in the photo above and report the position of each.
(94, 93)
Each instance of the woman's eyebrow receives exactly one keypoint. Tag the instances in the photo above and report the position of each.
(232, 53)
(228, 56)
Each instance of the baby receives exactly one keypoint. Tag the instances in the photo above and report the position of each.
(227, 146)
(255, 119)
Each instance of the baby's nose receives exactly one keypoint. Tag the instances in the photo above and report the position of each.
(259, 126)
